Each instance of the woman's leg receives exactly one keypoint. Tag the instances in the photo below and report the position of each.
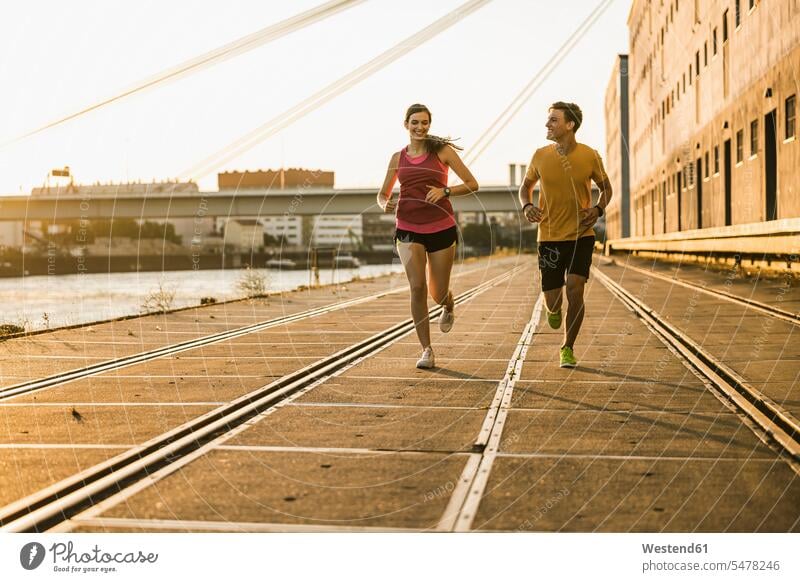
(440, 264)
(414, 260)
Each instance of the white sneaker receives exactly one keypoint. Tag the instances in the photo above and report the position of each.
(426, 361)
(446, 320)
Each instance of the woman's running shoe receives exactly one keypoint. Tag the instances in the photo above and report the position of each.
(426, 361)
(446, 320)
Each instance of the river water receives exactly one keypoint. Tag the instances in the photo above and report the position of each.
(52, 301)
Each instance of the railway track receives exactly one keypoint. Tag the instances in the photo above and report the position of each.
(55, 504)
(782, 427)
(764, 308)
(61, 378)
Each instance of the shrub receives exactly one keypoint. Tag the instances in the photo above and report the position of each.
(159, 300)
(10, 329)
(252, 283)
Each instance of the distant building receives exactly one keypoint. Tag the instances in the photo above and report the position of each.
(281, 179)
(11, 234)
(193, 231)
(113, 189)
(343, 231)
(378, 231)
(288, 228)
(295, 230)
(617, 162)
(243, 234)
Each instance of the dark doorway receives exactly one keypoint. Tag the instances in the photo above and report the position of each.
(727, 172)
(679, 200)
(699, 182)
(771, 163)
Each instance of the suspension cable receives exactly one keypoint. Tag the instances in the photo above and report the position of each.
(500, 123)
(273, 126)
(225, 52)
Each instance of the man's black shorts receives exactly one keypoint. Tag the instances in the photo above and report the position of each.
(573, 257)
(434, 241)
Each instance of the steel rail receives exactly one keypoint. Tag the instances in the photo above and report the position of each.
(779, 424)
(60, 501)
(751, 303)
(117, 363)
(468, 493)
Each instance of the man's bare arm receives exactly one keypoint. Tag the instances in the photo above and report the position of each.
(605, 194)
(531, 212)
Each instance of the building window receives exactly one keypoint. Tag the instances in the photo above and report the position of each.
(706, 165)
(725, 27)
(705, 54)
(697, 63)
(790, 116)
(714, 40)
(716, 159)
(753, 137)
(739, 146)
(684, 82)
(737, 13)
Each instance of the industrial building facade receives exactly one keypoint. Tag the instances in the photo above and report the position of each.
(712, 89)
(617, 160)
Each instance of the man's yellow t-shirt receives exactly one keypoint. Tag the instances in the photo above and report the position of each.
(564, 188)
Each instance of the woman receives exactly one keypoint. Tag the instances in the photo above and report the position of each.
(426, 230)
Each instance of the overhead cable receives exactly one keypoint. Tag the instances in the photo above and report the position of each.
(273, 126)
(497, 126)
(225, 52)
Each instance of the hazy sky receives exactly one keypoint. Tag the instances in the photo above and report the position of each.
(58, 56)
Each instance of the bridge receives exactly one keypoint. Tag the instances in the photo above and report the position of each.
(166, 205)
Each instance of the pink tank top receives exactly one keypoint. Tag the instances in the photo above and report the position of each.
(413, 212)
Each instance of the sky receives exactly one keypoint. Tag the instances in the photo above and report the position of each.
(57, 57)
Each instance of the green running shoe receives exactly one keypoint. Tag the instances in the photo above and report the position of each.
(554, 318)
(567, 358)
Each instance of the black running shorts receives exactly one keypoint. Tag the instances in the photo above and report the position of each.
(433, 241)
(557, 258)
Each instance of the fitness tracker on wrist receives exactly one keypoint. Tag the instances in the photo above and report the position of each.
(447, 192)
(599, 210)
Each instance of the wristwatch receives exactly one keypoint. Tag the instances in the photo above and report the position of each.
(599, 210)
(447, 192)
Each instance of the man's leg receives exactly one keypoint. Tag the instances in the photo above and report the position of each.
(552, 268)
(553, 299)
(575, 288)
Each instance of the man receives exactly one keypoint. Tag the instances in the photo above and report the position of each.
(565, 215)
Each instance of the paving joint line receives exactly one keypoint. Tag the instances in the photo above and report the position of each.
(466, 497)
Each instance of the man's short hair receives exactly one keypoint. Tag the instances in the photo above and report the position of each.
(571, 111)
